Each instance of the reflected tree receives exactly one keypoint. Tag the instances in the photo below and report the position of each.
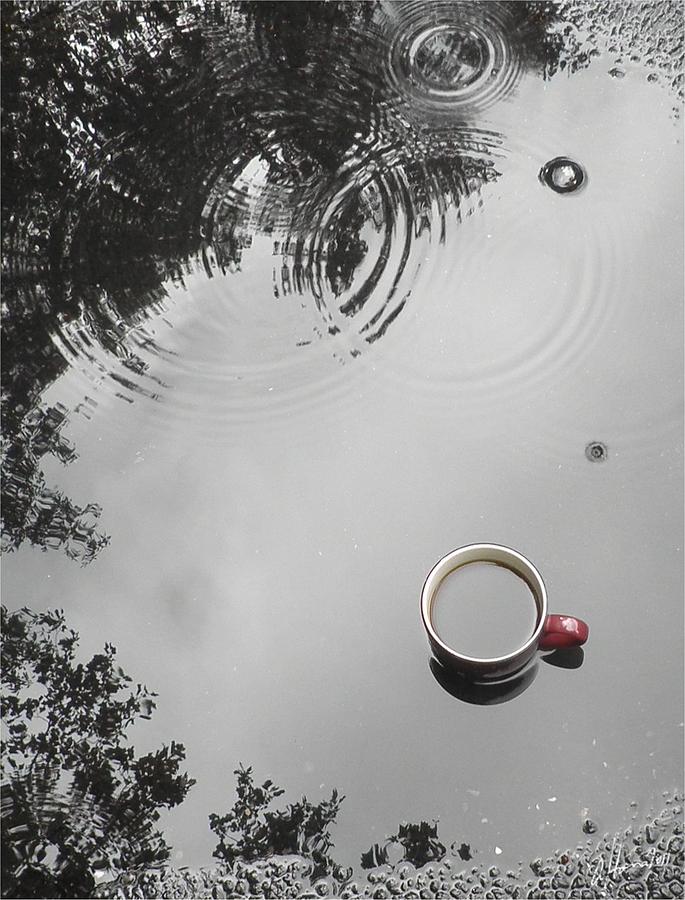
(419, 843)
(346, 249)
(33, 512)
(250, 831)
(76, 799)
(77, 78)
(125, 126)
(119, 117)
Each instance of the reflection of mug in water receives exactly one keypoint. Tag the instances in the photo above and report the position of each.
(482, 609)
(484, 693)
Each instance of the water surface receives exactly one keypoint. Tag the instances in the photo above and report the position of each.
(314, 322)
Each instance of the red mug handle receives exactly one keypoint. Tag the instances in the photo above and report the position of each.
(563, 631)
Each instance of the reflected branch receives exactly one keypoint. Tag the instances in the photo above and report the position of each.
(77, 802)
(33, 512)
(251, 831)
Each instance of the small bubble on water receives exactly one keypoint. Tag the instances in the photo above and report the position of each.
(562, 175)
(596, 451)
(617, 72)
(589, 827)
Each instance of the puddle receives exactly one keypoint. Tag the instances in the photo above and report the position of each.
(289, 313)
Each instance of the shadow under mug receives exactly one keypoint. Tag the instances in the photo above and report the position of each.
(483, 693)
(551, 632)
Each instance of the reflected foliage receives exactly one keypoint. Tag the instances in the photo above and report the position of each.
(76, 79)
(126, 129)
(76, 798)
(649, 865)
(33, 512)
(464, 851)
(419, 844)
(250, 831)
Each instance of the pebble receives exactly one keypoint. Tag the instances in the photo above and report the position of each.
(615, 867)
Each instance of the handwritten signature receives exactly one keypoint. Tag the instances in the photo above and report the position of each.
(651, 859)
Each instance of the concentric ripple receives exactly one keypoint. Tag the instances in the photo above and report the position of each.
(357, 249)
(240, 236)
(357, 258)
(234, 206)
(455, 59)
(294, 279)
(490, 335)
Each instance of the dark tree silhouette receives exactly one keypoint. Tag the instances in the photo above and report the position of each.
(125, 125)
(78, 80)
(250, 831)
(76, 799)
(419, 843)
(33, 512)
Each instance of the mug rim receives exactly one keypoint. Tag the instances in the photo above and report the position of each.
(500, 555)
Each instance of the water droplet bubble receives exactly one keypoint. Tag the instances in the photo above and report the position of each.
(563, 175)
(596, 451)
(589, 827)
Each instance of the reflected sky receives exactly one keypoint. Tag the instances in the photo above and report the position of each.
(273, 517)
